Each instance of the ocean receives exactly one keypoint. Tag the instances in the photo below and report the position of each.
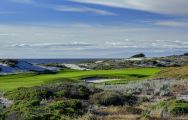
(65, 61)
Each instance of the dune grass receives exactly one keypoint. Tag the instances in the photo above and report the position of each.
(175, 73)
(9, 82)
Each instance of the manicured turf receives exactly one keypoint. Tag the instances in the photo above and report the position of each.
(31, 79)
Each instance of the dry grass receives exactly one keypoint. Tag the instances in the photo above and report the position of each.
(86, 117)
(119, 117)
(175, 72)
(118, 113)
(179, 88)
(114, 110)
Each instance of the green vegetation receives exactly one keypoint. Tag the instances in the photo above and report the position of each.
(107, 98)
(57, 101)
(174, 107)
(179, 108)
(41, 103)
(10, 82)
(62, 95)
(112, 98)
(44, 102)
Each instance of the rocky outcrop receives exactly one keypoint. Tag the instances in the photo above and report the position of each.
(140, 55)
(186, 54)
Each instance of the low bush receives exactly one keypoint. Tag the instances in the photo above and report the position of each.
(107, 98)
(55, 101)
(1, 110)
(36, 93)
(59, 90)
(179, 108)
(76, 92)
(32, 110)
(68, 107)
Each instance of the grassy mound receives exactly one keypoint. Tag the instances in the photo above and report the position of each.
(175, 72)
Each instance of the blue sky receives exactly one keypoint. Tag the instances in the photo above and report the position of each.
(92, 28)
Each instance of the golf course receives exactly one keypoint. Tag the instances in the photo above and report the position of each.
(9, 82)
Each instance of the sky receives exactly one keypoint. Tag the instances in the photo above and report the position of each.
(92, 28)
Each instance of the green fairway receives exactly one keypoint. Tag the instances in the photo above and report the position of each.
(31, 79)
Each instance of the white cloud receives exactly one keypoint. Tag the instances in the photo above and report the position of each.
(171, 23)
(72, 44)
(64, 8)
(93, 41)
(157, 44)
(172, 7)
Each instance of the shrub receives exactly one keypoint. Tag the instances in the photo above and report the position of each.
(46, 92)
(75, 92)
(68, 107)
(179, 108)
(53, 111)
(107, 98)
(54, 101)
(37, 93)
(60, 94)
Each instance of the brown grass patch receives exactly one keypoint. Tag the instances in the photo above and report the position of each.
(119, 113)
(175, 72)
(119, 117)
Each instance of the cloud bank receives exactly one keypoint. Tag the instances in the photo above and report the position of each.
(170, 7)
(172, 23)
(67, 8)
(39, 45)
(64, 8)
